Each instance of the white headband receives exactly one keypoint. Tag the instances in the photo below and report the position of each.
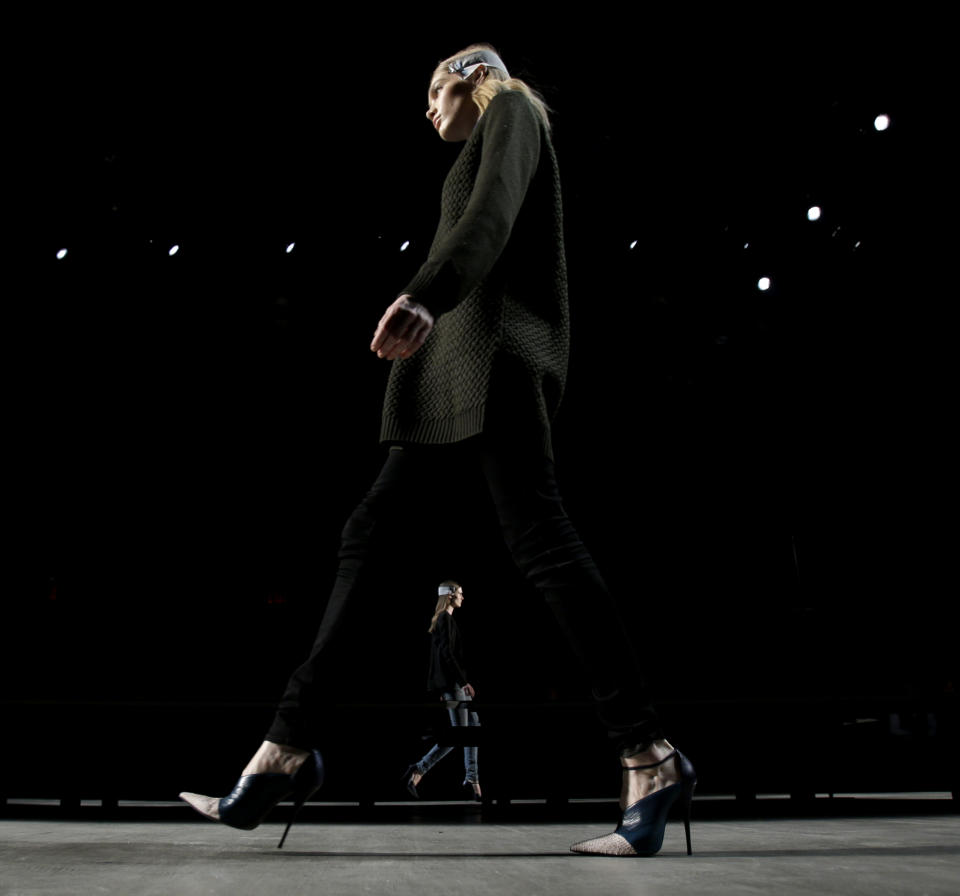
(466, 65)
(445, 589)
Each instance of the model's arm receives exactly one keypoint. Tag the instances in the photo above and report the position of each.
(510, 153)
(449, 660)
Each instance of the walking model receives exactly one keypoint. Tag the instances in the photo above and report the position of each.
(478, 342)
(448, 678)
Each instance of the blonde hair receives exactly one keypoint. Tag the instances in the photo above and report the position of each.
(444, 601)
(496, 81)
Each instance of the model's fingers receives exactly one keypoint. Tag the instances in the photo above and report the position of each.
(402, 330)
(422, 330)
(384, 327)
(379, 335)
(388, 332)
(393, 348)
(389, 348)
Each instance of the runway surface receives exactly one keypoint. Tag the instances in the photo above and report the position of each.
(463, 853)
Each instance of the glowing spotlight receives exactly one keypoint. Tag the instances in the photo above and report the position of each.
(61, 254)
(633, 245)
(881, 122)
(289, 248)
(813, 213)
(763, 284)
(403, 248)
(746, 245)
(174, 249)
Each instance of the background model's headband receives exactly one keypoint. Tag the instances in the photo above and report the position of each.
(466, 65)
(445, 589)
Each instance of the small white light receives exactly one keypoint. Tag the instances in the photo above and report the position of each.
(174, 249)
(763, 284)
(403, 248)
(813, 213)
(633, 245)
(746, 245)
(61, 254)
(881, 122)
(290, 248)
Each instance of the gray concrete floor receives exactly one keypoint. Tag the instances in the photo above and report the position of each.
(869, 855)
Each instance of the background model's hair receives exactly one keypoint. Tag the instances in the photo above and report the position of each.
(443, 601)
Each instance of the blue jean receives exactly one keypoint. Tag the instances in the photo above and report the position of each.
(460, 717)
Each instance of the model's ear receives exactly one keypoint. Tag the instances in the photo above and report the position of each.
(479, 74)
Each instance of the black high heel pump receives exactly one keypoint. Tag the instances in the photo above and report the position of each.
(254, 796)
(641, 829)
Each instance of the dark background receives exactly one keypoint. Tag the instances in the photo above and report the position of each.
(191, 431)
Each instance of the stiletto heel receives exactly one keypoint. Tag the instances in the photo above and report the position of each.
(254, 796)
(641, 829)
(477, 798)
(298, 805)
(690, 784)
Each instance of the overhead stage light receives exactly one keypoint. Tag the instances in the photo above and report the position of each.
(61, 254)
(403, 248)
(174, 249)
(763, 284)
(881, 122)
(813, 213)
(290, 248)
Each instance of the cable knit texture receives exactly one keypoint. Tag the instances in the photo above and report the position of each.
(496, 281)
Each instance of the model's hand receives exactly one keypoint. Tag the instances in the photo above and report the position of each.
(469, 691)
(402, 329)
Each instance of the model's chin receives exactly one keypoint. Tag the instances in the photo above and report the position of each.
(447, 137)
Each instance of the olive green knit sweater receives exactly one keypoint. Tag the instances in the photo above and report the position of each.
(495, 280)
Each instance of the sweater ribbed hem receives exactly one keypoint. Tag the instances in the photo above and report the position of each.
(444, 431)
(441, 431)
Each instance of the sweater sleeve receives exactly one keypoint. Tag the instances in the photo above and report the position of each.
(510, 152)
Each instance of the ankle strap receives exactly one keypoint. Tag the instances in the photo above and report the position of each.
(638, 768)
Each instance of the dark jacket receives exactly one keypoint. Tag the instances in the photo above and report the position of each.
(446, 656)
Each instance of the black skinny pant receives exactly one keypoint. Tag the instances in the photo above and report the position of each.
(546, 549)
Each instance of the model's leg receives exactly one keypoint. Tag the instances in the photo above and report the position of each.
(548, 551)
(470, 754)
(436, 752)
(430, 759)
(286, 748)
(296, 722)
(462, 716)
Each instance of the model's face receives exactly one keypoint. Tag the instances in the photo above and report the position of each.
(457, 599)
(450, 109)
